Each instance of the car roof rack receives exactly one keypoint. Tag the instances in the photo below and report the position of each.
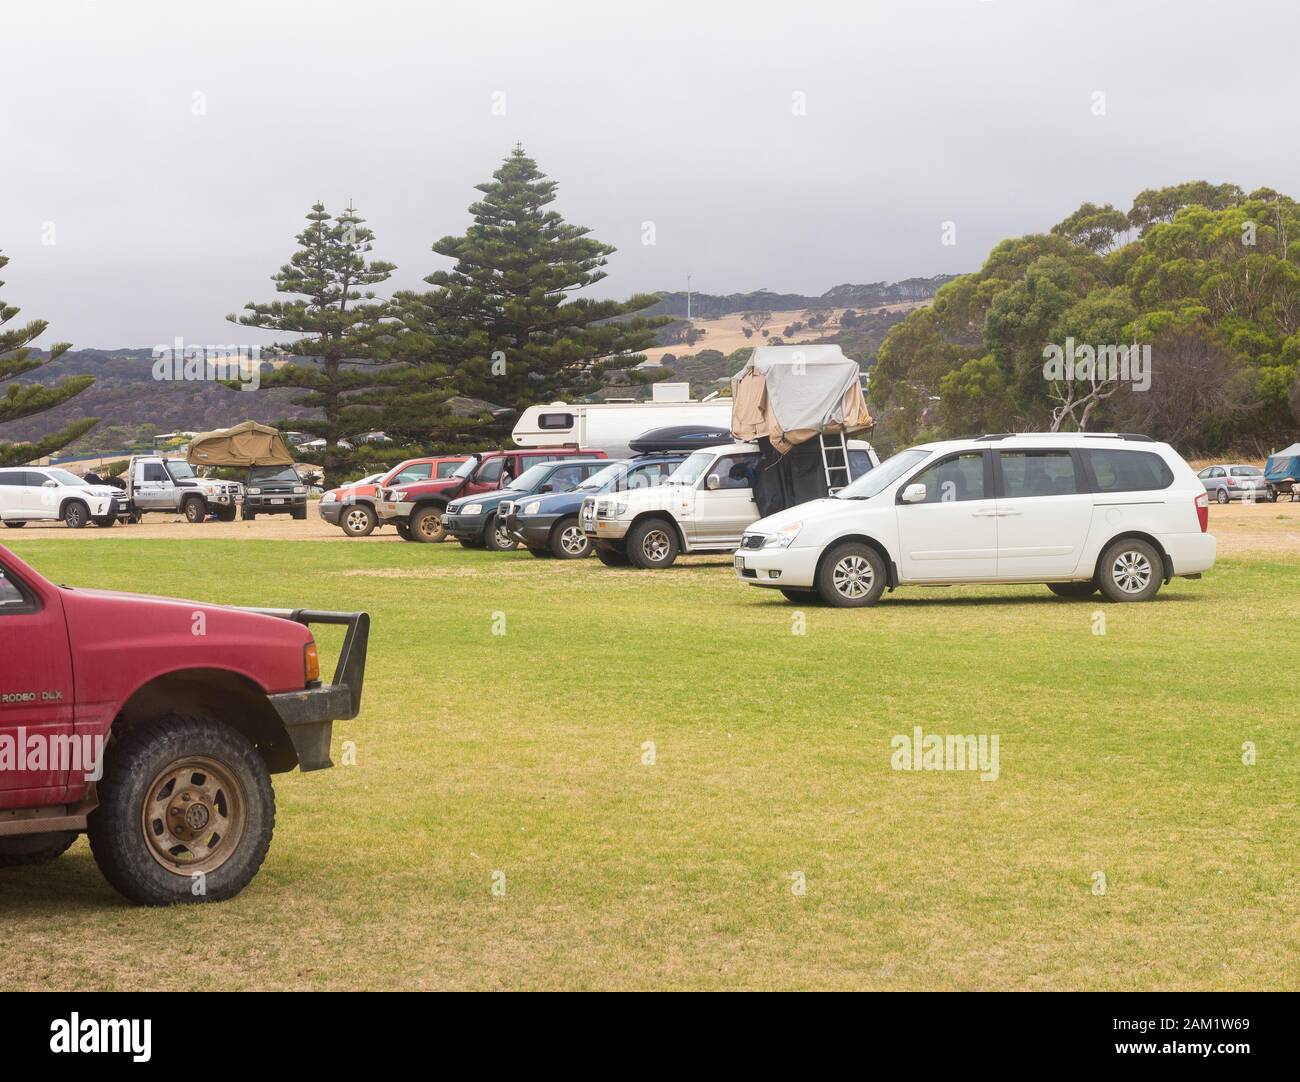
(1136, 437)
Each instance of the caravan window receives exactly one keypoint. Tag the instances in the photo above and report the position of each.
(554, 420)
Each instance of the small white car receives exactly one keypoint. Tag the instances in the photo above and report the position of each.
(1078, 512)
(46, 493)
(705, 505)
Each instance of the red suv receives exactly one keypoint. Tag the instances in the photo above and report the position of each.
(416, 509)
(154, 726)
(352, 507)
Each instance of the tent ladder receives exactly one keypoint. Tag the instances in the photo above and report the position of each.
(838, 474)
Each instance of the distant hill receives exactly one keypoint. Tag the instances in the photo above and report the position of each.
(131, 403)
(868, 295)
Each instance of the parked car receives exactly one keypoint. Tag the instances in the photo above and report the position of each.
(170, 485)
(1236, 482)
(416, 509)
(474, 521)
(1080, 513)
(274, 490)
(49, 494)
(352, 507)
(179, 805)
(547, 525)
(704, 506)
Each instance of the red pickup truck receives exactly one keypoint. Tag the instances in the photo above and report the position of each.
(153, 725)
(416, 509)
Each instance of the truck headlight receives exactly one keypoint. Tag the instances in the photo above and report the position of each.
(254, 491)
(533, 507)
(781, 538)
(610, 509)
(300, 490)
(470, 509)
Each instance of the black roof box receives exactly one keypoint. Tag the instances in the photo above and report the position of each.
(678, 438)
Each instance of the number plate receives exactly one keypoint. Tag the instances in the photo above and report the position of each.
(740, 563)
(277, 499)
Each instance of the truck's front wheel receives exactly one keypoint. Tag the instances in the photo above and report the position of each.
(186, 811)
(34, 848)
(195, 510)
(426, 524)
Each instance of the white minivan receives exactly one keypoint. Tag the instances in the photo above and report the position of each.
(1078, 512)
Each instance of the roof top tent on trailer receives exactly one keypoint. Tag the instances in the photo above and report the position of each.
(611, 426)
(799, 404)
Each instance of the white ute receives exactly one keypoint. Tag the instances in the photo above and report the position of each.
(1077, 512)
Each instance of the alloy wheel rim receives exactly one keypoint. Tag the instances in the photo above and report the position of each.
(853, 577)
(1132, 571)
(358, 521)
(655, 545)
(573, 541)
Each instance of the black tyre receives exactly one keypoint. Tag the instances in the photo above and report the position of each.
(851, 575)
(541, 554)
(134, 518)
(652, 544)
(359, 520)
(568, 542)
(15, 525)
(186, 812)
(403, 530)
(426, 525)
(495, 538)
(611, 557)
(1130, 570)
(1075, 590)
(248, 515)
(226, 514)
(75, 515)
(300, 514)
(800, 597)
(34, 848)
(194, 509)
(1223, 496)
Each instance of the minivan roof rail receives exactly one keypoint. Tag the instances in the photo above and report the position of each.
(1137, 437)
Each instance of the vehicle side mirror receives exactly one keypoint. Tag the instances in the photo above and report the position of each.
(713, 482)
(546, 488)
(50, 483)
(914, 493)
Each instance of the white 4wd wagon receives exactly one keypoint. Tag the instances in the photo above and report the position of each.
(704, 506)
(1078, 512)
(47, 493)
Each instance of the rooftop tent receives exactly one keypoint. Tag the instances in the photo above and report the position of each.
(1283, 466)
(247, 444)
(678, 438)
(789, 394)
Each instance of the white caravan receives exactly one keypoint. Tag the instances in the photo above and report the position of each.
(611, 426)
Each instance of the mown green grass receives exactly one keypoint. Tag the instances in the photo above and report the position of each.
(522, 754)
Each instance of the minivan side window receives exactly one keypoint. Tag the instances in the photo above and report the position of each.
(1037, 473)
(953, 480)
(1128, 471)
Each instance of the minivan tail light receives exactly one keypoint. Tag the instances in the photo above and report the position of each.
(1203, 511)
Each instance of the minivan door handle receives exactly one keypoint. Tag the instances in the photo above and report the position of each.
(983, 514)
(1005, 514)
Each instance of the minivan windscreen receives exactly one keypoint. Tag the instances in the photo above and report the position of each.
(884, 475)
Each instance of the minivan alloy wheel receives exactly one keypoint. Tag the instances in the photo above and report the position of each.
(1132, 571)
(853, 576)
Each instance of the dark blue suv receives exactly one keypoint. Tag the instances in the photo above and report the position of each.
(475, 521)
(547, 525)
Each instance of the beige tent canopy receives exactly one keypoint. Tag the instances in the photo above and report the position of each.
(791, 393)
(247, 444)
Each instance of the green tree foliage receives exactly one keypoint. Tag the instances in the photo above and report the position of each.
(1212, 279)
(349, 371)
(504, 315)
(19, 400)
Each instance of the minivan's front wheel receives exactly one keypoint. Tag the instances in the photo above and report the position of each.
(1075, 590)
(186, 811)
(1131, 570)
(851, 575)
(652, 544)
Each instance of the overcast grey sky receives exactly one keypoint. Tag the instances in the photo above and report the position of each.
(978, 112)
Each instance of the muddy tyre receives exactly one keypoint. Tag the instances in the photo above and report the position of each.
(186, 812)
(34, 848)
(426, 525)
